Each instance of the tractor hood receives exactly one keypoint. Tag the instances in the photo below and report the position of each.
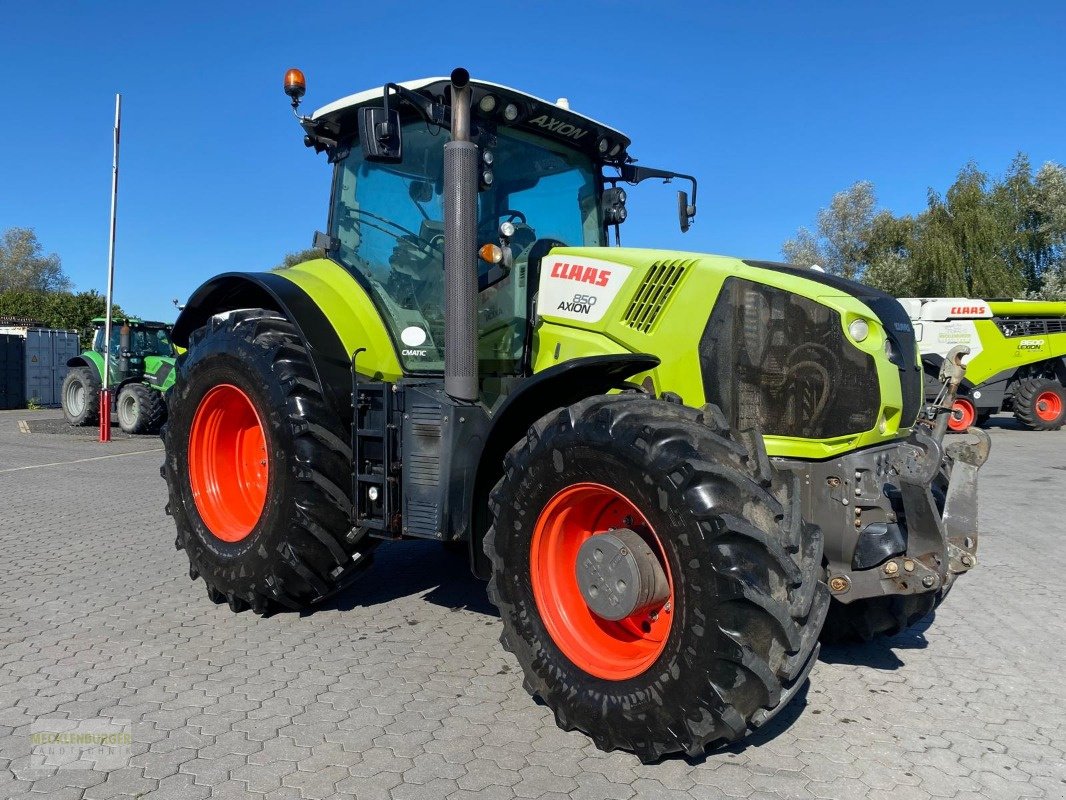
(799, 354)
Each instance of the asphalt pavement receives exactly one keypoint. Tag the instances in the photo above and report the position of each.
(399, 689)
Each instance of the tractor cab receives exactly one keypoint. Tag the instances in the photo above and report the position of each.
(132, 341)
(546, 178)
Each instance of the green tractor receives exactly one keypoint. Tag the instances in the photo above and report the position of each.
(141, 370)
(677, 471)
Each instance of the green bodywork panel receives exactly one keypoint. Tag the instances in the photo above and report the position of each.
(351, 312)
(673, 338)
(999, 353)
(96, 360)
(159, 372)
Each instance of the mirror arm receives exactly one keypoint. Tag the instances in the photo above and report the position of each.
(631, 173)
(433, 113)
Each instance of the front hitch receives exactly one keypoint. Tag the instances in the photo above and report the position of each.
(952, 371)
(941, 520)
(899, 519)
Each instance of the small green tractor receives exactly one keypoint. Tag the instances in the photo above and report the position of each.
(1016, 359)
(678, 472)
(141, 370)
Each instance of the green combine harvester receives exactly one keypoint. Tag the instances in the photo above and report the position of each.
(677, 471)
(1016, 358)
(142, 369)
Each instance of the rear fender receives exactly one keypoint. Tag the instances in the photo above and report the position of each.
(91, 359)
(236, 290)
(551, 389)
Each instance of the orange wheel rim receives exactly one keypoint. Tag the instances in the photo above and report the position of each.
(228, 463)
(610, 650)
(1048, 406)
(962, 415)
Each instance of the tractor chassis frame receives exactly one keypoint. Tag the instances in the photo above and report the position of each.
(880, 513)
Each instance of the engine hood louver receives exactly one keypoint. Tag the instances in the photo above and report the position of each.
(655, 290)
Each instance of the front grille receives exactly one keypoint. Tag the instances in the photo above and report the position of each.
(780, 363)
(656, 288)
(1012, 327)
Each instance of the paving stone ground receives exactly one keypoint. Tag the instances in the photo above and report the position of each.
(399, 689)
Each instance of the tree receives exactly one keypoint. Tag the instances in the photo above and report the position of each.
(24, 266)
(292, 259)
(983, 237)
(63, 310)
(840, 244)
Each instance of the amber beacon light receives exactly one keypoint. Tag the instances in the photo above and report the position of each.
(295, 85)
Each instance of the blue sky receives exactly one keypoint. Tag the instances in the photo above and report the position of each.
(773, 106)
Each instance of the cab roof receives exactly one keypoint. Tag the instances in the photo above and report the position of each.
(136, 321)
(536, 114)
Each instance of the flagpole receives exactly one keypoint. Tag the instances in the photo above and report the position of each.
(105, 391)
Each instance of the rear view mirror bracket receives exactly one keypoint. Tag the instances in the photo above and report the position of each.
(686, 208)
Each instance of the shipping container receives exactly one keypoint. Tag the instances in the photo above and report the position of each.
(12, 371)
(46, 352)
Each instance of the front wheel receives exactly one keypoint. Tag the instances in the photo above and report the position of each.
(257, 466)
(654, 577)
(963, 415)
(141, 409)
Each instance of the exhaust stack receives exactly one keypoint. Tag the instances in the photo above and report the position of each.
(124, 350)
(460, 248)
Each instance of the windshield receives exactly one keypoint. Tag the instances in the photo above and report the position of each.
(388, 222)
(143, 341)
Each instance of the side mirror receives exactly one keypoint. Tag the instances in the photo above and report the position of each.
(379, 133)
(685, 212)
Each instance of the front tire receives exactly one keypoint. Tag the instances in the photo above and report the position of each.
(746, 602)
(1040, 404)
(81, 396)
(257, 466)
(141, 409)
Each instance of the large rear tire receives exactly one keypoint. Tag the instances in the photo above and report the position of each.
(140, 409)
(1040, 404)
(739, 633)
(258, 468)
(80, 396)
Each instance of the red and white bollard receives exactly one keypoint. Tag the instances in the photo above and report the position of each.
(105, 415)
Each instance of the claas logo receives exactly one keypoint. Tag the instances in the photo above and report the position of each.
(577, 272)
(967, 309)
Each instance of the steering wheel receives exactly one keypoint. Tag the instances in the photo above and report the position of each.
(513, 215)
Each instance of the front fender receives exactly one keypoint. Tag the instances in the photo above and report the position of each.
(553, 388)
(235, 290)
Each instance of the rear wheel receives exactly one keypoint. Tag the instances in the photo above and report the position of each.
(1040, 404)
(81, 396)
(257, 466)
(141, 409)
(654, 577)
